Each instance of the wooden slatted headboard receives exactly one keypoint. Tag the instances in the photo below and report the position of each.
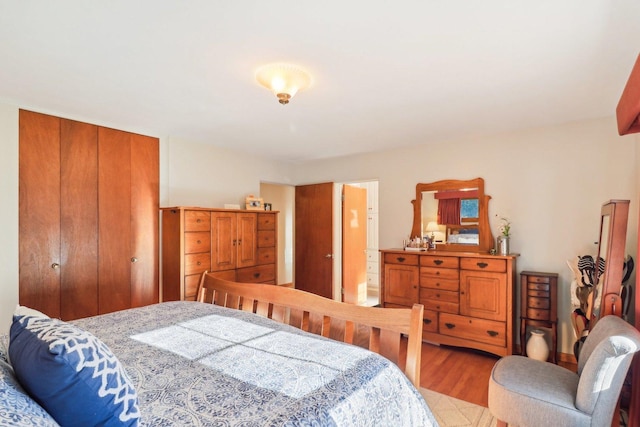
(395, 333)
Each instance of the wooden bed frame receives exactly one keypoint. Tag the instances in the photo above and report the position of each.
(395, 333)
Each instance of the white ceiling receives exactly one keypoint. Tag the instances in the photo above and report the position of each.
(385, 73)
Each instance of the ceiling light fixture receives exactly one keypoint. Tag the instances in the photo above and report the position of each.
(284, 80)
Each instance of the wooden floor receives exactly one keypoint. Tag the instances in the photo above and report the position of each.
(458, 372)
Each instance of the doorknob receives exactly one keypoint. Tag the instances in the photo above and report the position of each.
(55, 266)
(328, 256)
(134, 259)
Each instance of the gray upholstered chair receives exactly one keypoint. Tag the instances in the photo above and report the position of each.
(527, 392)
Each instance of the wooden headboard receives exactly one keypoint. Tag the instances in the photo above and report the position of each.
(395, 333)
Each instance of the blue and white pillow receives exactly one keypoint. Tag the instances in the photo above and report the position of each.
(16, 407)
(71, 373)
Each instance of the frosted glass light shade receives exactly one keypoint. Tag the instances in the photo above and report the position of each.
(284, 80)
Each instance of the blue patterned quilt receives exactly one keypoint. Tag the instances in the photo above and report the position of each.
(197, 364)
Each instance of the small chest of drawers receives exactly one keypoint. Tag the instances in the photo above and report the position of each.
(539, 306)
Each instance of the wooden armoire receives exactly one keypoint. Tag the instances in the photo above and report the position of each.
(88, 217)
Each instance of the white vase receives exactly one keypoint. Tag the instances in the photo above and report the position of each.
(537, 347)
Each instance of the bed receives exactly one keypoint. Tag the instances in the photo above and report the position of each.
(204, 364)
(466, 234)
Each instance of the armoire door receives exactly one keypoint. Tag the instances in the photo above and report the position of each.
(247, 240)
(223, 240)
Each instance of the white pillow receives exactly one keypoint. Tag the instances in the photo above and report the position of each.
(21, 310)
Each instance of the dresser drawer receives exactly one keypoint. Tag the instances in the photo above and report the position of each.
(438, 295)
(544, 303)
(197, 263)
(266, 222)
(266, 255)
(266, 238)
(538, 314)
(438, 283)
(191, 284)
(197, 221)
(373, 256)
(443, 273)
(401, 259)
(258, 274)
(430, 321)
(481, 330)
(484, 264)
(440, 261)
(198, 241)
(441, 306)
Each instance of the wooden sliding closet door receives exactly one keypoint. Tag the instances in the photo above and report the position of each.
(145, 222)
(39, 212)
(114, 189)
(78, 219)
(88, 217)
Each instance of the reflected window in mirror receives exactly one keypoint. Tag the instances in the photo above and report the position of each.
(459, 208)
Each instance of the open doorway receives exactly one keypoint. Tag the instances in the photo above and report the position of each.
(282, 199)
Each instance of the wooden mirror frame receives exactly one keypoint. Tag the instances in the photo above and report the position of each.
(486, 241)
(616, 212)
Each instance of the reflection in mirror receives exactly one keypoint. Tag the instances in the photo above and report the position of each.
(454, 213)
(595, 298)
(451, 216)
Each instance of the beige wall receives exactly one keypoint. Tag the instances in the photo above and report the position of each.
(550, 182)
(282, 199)
(8, 213)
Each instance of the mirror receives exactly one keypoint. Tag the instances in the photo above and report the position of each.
(610, 261)
(455, 212)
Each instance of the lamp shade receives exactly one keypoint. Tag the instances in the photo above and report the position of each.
(284, 80)
(432, 226)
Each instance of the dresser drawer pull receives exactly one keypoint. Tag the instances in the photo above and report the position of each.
(199, 263)
(482, 264)
(492, 333)
(437, 261)
(199, 242)
(198, 220)
(256, 275)
(401, 259)
(450, 325)
(426, 321)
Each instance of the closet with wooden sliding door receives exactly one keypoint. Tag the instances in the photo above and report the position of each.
(88, 222)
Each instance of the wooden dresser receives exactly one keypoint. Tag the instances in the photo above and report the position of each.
(236, 245)
(469, 298)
